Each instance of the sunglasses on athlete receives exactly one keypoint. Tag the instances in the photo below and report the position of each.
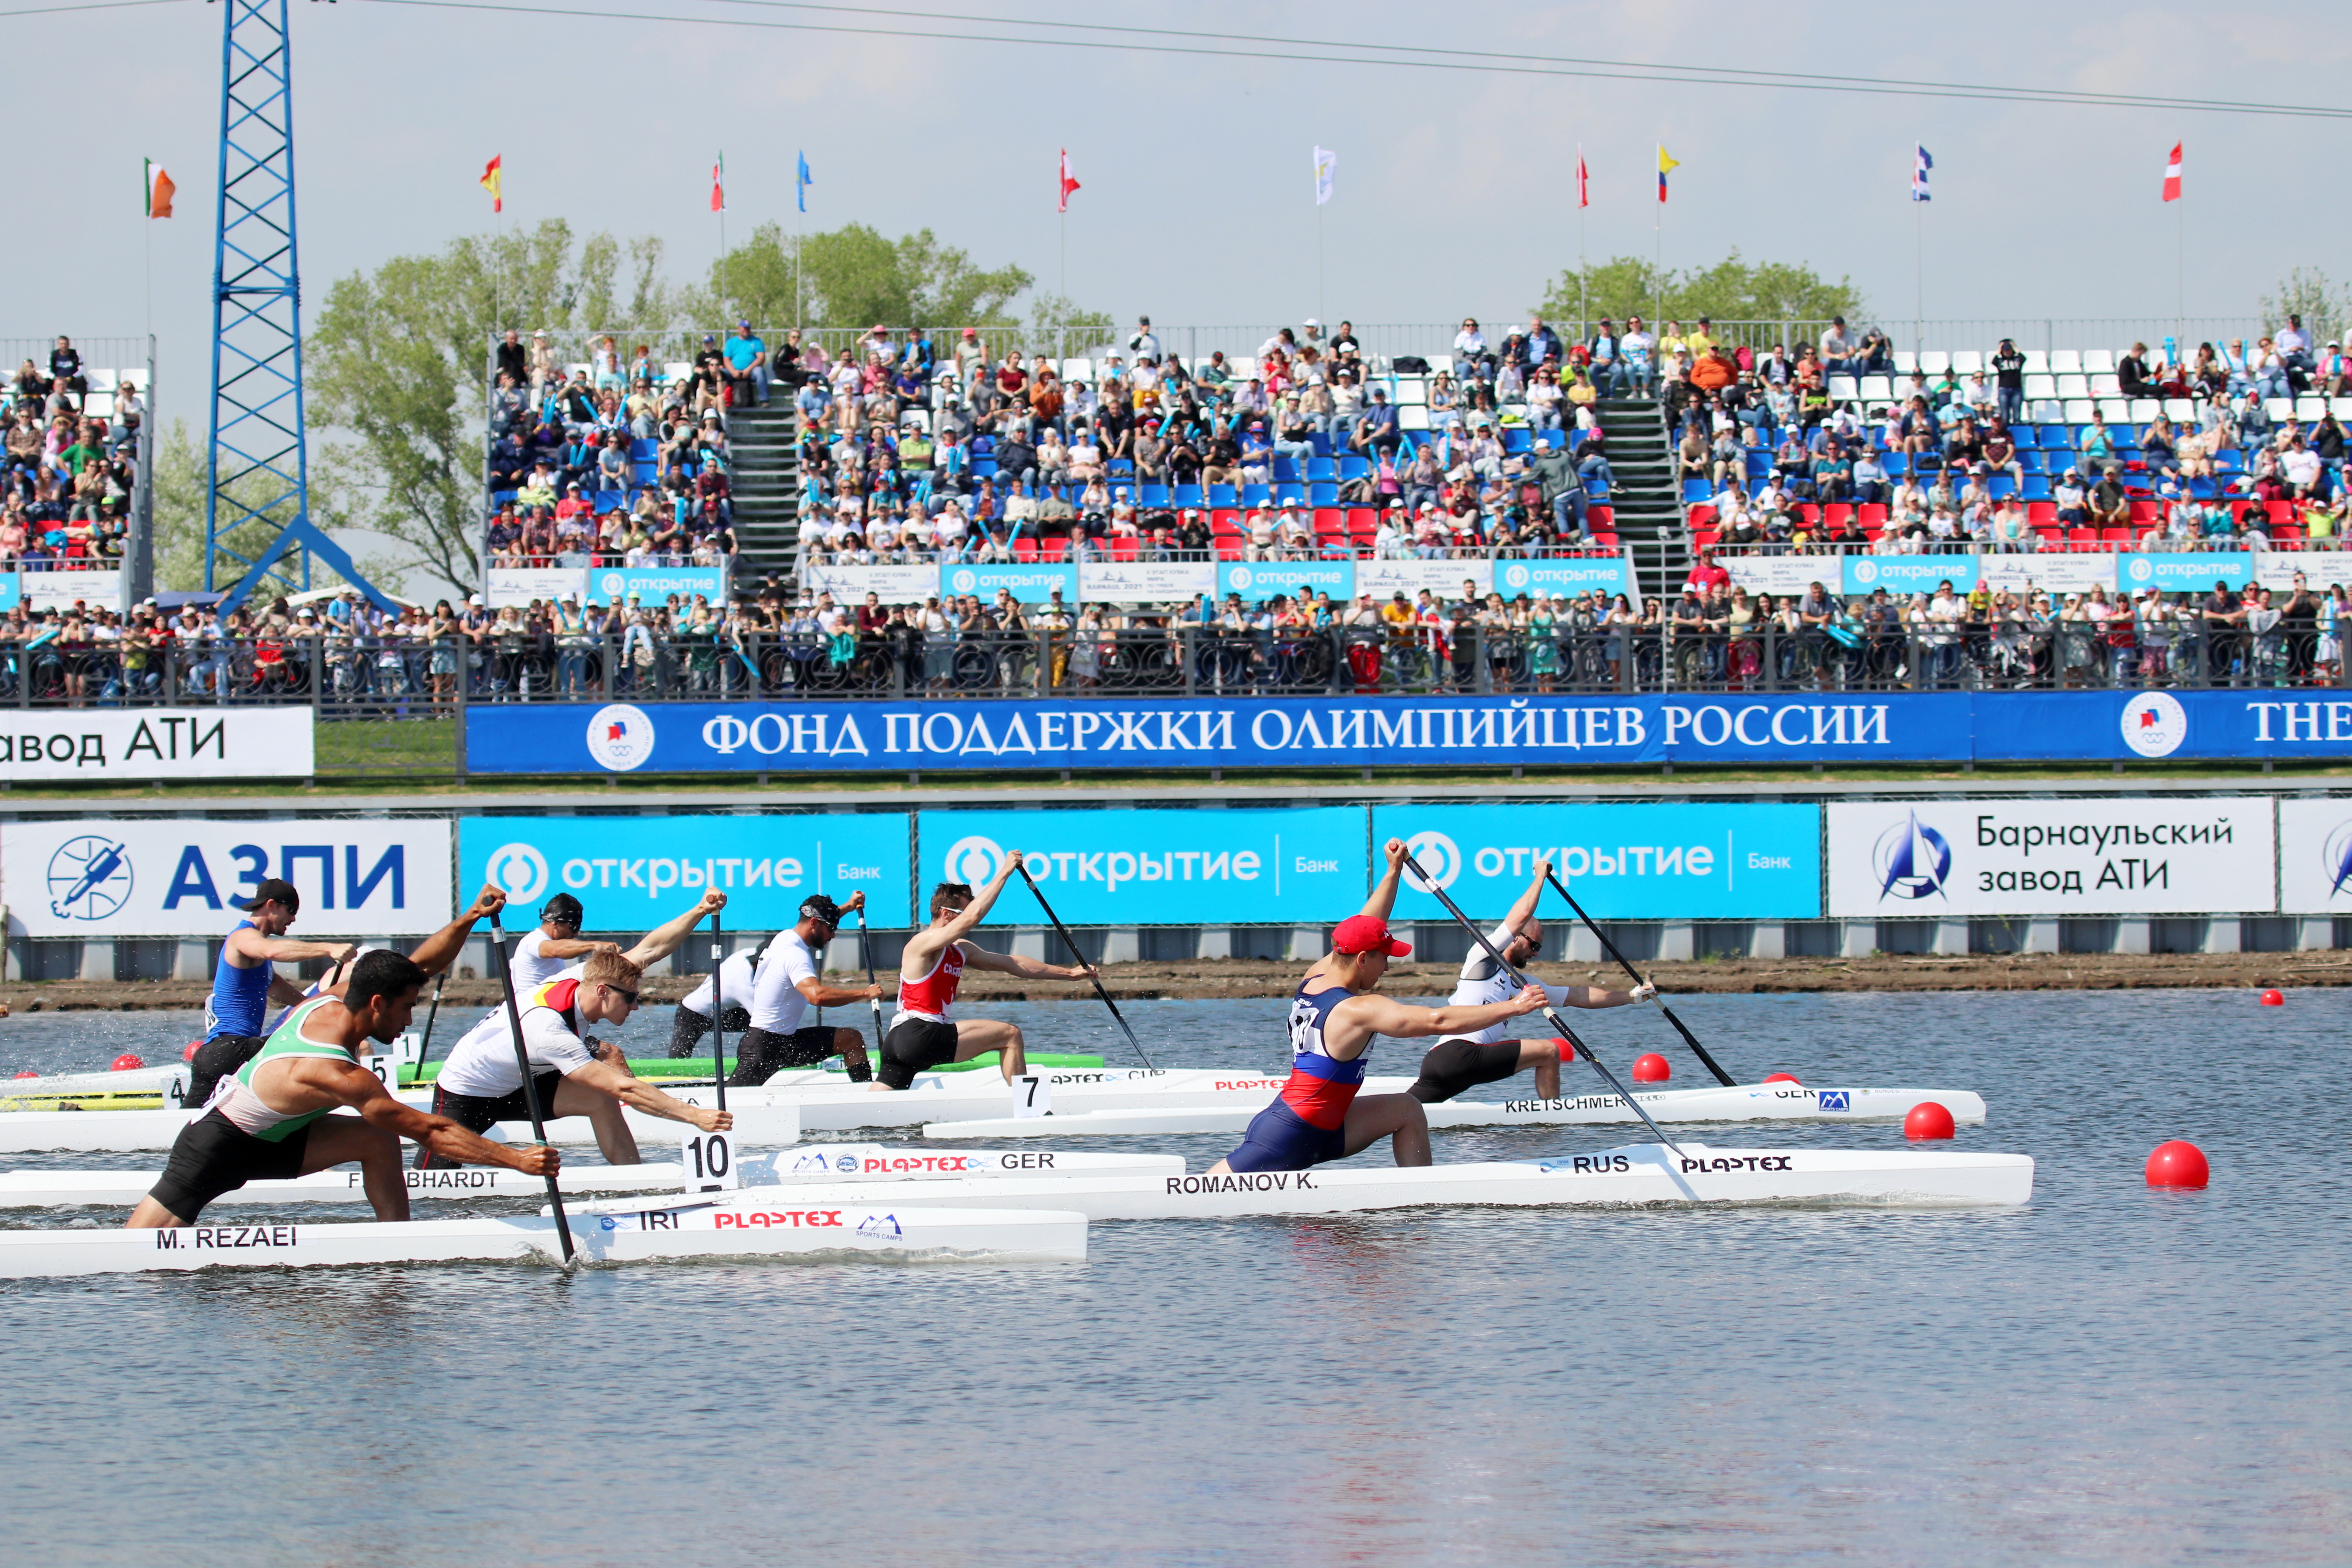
(628, 996)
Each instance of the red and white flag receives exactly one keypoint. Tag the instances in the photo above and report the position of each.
(719, 184)
(2172, 176)
(1069, 185)
(1583, 180)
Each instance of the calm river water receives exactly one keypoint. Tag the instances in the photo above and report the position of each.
(2111, 1374)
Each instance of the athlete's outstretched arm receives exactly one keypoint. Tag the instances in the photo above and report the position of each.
(439, 951)
(1027, 968)
(1376, 1015)
(364, 1092)
(1384, 893)
(967, 920)
(668, 937)
(1528, 901)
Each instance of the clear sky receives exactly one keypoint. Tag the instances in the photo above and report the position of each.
(1454, 188)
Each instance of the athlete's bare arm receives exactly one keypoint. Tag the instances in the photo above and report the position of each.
(437, 952)
(255, 948)
(314, 1081)
(1383, 899)
(1027, 968)
(603, 1077)
(572, 947)
(1527, 899)
(1354, 1022)
(284, 991)
(925, 946)
(668, 937)
(825, 996)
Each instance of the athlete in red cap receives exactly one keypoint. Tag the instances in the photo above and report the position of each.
(1318, 1116)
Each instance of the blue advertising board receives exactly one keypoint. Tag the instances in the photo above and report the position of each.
(1029, 581)
(1902, 575)
(1602, 575)
(1158, 867)
(1694, 861)
(655, 585)
(633, 872)
(1256, 579)
(2185, 574)
(1439, 731)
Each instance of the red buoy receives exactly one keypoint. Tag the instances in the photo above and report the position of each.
(2178, 1164)
(1928, 1119)
(28, 1073)
(1652, 1068)
(2270, 999)
(125, 1062)
(1780, 1078)
(190, 1054)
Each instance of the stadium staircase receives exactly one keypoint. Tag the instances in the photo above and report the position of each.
(1649, 514)
(767, 486)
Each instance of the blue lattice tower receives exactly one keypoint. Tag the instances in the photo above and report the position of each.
(258, 469)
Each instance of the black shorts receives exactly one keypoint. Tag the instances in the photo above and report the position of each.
(213, 1155)
(1452, 1066)
(688, 1026)
(215, 1060)
(915, 1046)
(475, 1112)
(765, 1054)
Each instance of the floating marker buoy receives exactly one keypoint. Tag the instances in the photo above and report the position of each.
(28, 1073)
(190, 1054)
(2274, 999)
(1780, 1078)
(2178, 1164)
(1928, 1120)
(125, 1062)
(1652, 1068)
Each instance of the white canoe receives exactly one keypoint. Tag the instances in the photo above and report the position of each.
(1634, 1173)
(757, 1227)
(1740, 1102)
(828, 1102)
(862, 1163)
(129, 1132)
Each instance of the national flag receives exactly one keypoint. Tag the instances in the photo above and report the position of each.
(1584, 179)
(1324, 162)
(158, 191)
(1069, 185)
(2172, 176)
(805, 180)
(1921, 161)
(719, 184)
(493, 182)
(1665, 167)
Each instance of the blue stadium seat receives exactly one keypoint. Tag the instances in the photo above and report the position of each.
(644, 473)
(1290, 492)
(2000, 487)
(1323, 468)
(644, 452)
(1354, 467)
(1152, 494)
(2057, 436)
(983, 467)
(500, 497)
(1518, 438)
(1222, 496)
(1285, 471)
(1122, 468)
(1187, 495)
(2024, 436)
(1323, 493)
(1695, 489)
(2036, 488)
(1322, 443)
(606, 500)
(1257, 495)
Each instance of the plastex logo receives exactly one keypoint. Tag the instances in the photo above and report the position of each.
(973, 862)
(90, 877)
(2155, 723)
(1911, 860)
(1437, 854)
(519, 870)
(620, 737)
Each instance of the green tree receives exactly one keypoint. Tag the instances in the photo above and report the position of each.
(398, 366)
(2325, 306)
(854, 277)
(179, 481)
(1733, 289)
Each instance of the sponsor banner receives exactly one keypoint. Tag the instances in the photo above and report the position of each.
(2188, 573)
(1146, 582)
(1030, 583)
(2032, 726)
(632, 873)
(891, 584)
(94, 744)
(520, 585)
(1256, 579)
(60, 590)
(1156, 868)
(1781, 575)
(2277, 569)
(1444, 579)
(1604, 574)
(12, 591)
(653, 584)
(1925, 860)
(2059, 572)
(2315, 839)
(186, 877)
(1623, 862)
(1902, 575)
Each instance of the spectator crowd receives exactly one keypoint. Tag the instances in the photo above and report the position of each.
(71, 465)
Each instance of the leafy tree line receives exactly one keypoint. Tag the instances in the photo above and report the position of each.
(1733, 289)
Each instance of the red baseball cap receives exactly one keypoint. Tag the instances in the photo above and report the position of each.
(1367, 933)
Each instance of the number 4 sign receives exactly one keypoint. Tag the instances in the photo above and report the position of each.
(710, 1161)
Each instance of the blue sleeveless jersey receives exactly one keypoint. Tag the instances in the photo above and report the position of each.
(240, 998)
(1321, 1087)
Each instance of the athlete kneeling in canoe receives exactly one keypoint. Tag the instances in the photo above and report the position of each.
(922, 1035)
(1333, 1019)
(480, 1085)
(1463, 1060)
(789, 980)
(270, 1123)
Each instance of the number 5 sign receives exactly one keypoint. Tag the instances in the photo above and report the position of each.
(710, 1161)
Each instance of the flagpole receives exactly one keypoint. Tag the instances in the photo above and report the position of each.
(1919, 264)
(722, 238)
(2180, 276)
(1321, 313)
(1658, 264)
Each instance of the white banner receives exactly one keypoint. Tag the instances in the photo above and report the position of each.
(2316, 856)
(1444, 579)
(518, 585)
(1930, 859)
(892, 584)
(1782, 574)
(2058, 571)
(186, 878)
(125, 744)
(1146, 582)
(59, 590)
(2321, 569)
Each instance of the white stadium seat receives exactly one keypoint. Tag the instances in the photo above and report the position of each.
(2066, 361)
(2097, 360)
